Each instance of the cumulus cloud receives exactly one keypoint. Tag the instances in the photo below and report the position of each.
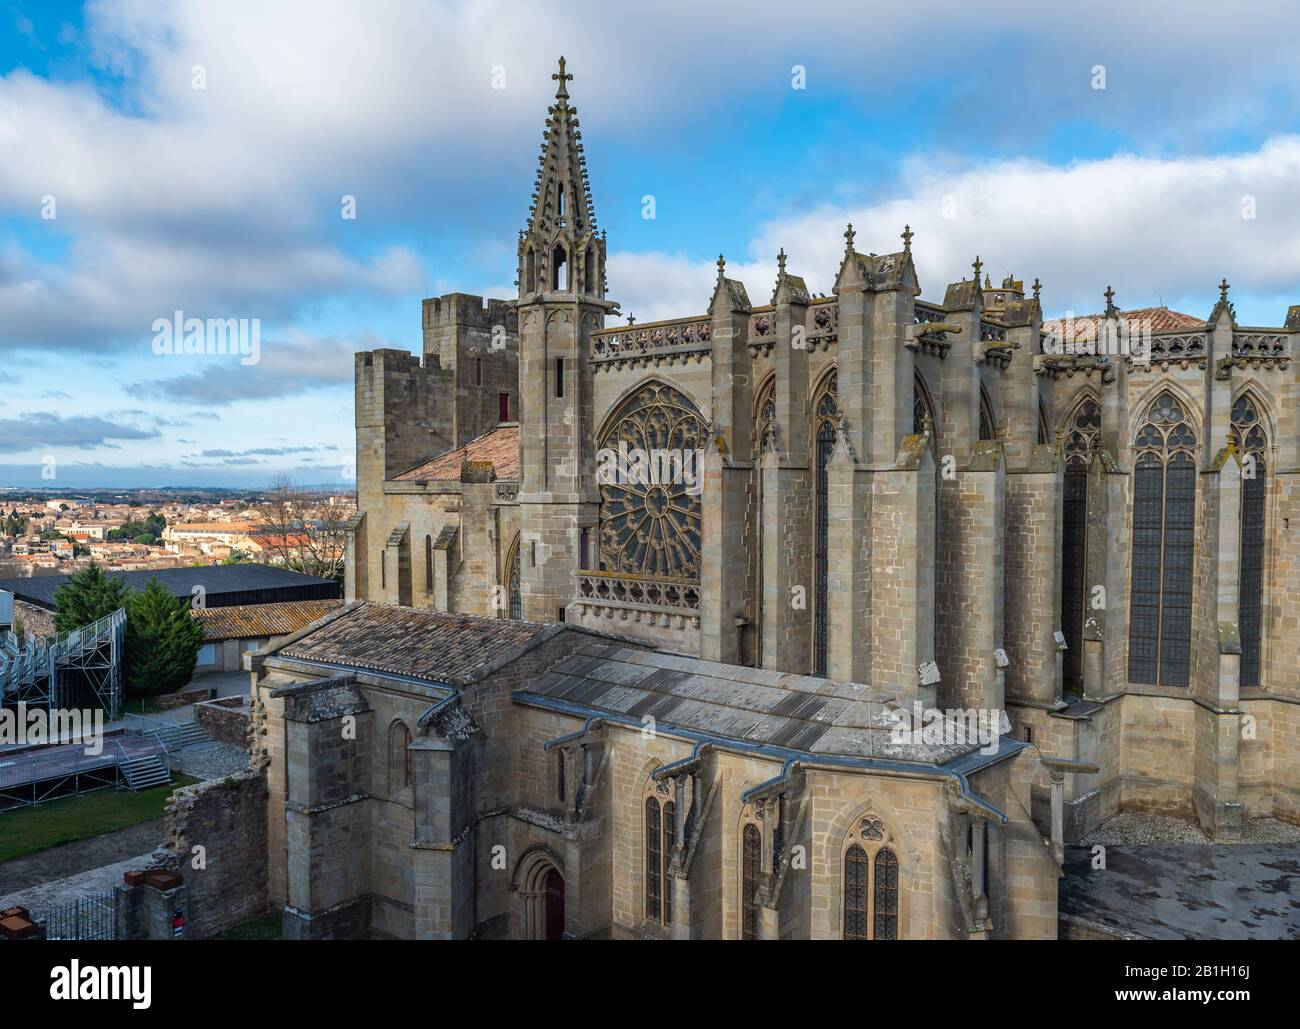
(224, 201)
(1155, 228)
(47, 429)
(297, 364)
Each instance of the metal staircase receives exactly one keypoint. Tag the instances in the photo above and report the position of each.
(145, 772)
(43, 670)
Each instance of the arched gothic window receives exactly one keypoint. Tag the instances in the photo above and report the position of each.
(870, 882)
(513, 594)
(764, 429)
(399, 756)
(750, 865)
(654, 860)
(1081, 434)
(826, 422)
(1164, 528)
(1253, 446)
(649, 486)
(857, 878)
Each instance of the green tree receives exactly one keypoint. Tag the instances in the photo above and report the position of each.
(162, 642)
(87, 597)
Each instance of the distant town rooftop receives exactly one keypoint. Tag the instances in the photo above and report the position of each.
(223, 585)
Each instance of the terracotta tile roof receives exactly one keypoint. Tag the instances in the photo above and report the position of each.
(430, 645)
(245, 621)
(499, 448)
(1161, 319)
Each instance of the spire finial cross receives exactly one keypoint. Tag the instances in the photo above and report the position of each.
(849, 236)
(562, 93)
(1038, 288)
(722, 267)
(1110, 300)
(907, 239)
(780, 262)
(978, 265)
(1223, 291)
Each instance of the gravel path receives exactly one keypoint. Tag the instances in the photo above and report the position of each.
(1135, 828)
(212, 760)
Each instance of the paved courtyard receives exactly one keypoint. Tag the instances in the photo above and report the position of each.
(1176, 891)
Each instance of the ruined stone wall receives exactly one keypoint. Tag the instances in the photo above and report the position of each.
(227, 878)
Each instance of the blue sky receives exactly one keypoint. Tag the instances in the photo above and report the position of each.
(980, 125)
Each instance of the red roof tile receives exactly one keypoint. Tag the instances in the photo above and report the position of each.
(249, 621)
(500, 448)
(1160, 319)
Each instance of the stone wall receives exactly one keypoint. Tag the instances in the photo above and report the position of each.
(225, 719)
(227, 879)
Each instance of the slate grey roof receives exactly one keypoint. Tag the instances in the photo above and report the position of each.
(793, 712)
(433, 646)
(223, 585)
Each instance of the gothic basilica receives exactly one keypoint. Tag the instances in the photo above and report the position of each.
(793, 617)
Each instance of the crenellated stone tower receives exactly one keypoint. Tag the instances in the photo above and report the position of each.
(561, 302)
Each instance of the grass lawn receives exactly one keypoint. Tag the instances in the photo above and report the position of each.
(30, 829)
(265, 928)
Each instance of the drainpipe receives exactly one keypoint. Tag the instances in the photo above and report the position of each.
(1058, 768)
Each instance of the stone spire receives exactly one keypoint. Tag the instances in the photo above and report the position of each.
(560, 249)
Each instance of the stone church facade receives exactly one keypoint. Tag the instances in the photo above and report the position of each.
(774, 529)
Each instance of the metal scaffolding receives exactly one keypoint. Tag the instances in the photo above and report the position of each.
(57, 672)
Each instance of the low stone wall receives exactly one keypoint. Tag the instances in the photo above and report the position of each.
(225, 719)
(34, 620)
(167, 701)
(216, 833)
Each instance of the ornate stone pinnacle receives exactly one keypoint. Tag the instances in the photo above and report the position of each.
(848, 239)
(722, 267)
(562, 93)
(1223, 291)
(907, 239)
(978, 265)
(1038, 288)
(780, 262)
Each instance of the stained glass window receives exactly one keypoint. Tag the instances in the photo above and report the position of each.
(512, 585)
(750, 863)
(1082, 431)
(670, 841)
(856, 877)
(885, 914)
(827, 422)
(649, 485)
(1164, 527)
(1253, 445)
(654, 863)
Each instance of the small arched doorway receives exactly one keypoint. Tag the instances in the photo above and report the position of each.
(554, 886)
(539, 883)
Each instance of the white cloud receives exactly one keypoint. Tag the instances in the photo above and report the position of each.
(1151, 227)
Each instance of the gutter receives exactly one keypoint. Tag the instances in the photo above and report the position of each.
(829, 762)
